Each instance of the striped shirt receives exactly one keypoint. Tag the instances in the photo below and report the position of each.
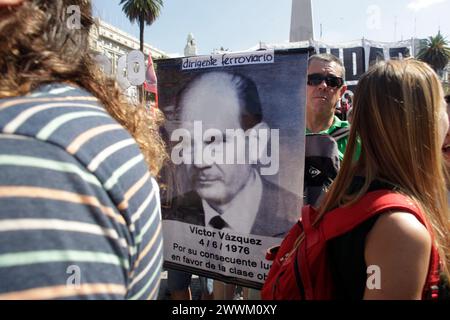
(79, 212)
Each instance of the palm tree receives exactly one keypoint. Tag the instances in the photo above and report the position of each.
(144, 12)
(435, 52)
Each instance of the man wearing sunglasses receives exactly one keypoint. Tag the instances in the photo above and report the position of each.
(326, 134)
(325, 88)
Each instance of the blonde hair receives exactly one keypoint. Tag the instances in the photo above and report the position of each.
(38, 47)
(396, 115)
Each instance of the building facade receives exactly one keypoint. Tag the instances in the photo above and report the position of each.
(114, 43)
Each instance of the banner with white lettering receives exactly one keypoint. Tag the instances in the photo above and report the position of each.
(357, 56)
(235, 135)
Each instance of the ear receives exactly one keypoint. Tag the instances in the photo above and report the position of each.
(343, 89)
(254, 135)
(254, 130)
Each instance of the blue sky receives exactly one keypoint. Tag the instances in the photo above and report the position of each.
(241, 24)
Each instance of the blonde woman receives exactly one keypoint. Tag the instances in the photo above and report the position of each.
(399, 116)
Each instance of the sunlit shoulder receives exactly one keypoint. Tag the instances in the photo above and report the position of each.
(400, 246)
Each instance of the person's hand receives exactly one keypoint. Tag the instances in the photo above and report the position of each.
(5, 3)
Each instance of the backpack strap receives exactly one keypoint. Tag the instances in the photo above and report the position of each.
(340, 133)
(344, 219)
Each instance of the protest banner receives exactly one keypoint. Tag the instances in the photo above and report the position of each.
(234, 183)
(357, 56)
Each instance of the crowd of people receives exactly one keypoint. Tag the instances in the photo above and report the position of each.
(79, 169)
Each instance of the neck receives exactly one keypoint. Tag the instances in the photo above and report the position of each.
(319, 122)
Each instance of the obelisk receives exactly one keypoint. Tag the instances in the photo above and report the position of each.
(301, 21)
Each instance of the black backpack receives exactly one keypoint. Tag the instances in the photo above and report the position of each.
(321, 164)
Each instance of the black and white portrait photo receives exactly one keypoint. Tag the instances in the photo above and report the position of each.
(228, 193)
(235, 137)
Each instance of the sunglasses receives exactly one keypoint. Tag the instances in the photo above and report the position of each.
(316, 79)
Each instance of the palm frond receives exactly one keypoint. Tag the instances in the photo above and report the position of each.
(435, 52)
(148, 10)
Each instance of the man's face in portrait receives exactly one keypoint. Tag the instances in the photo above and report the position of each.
(214, 101)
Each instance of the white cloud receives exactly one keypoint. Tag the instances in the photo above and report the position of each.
(417, 5)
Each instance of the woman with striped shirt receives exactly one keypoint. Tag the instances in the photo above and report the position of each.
(79, 207)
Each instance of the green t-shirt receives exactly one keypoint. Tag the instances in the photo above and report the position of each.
(342, 143)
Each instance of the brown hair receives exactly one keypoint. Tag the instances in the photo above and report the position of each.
(397, 109)
(327, 57)
(38, 47)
